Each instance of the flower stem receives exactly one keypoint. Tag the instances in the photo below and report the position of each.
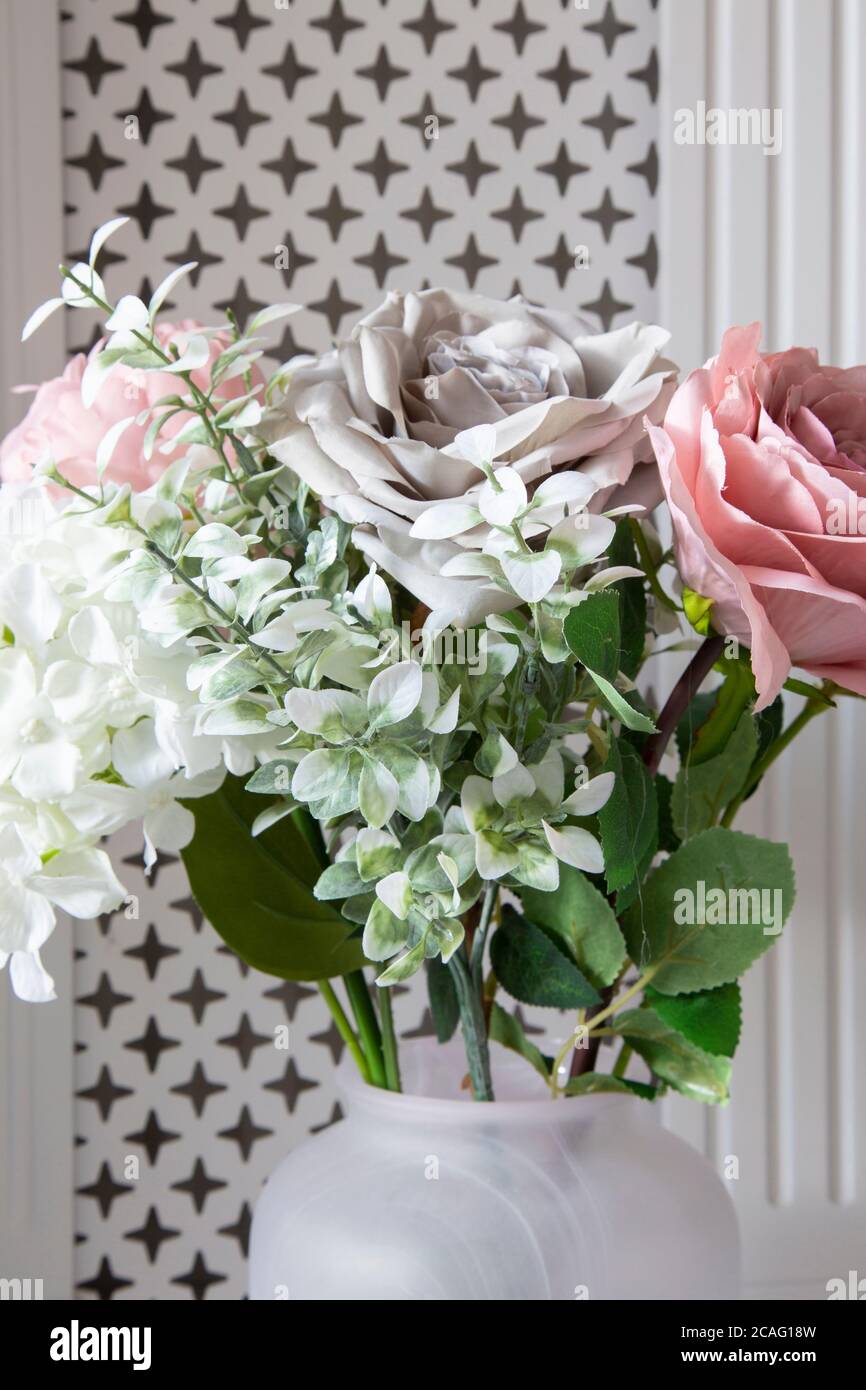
(592, 1025)
(344, 1027)
(368, 1025)
(680, 698)
(622, 1061)
(474, 1029)
(389, 1040)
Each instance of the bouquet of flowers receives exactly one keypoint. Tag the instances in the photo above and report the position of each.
(365, 641)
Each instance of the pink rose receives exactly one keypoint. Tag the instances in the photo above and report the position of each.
(58, 422)
(763, 462)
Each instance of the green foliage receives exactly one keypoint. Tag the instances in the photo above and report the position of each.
(709, 876)
(442, 996)
(258, 893)
(672, 1058)
(632, 596)
(599, 1083)
(592, 631)
(506, 1029)
(629, 821)
(710, 1019)
(703, 789)
(534, 970)
(581, 922)
(736, 692)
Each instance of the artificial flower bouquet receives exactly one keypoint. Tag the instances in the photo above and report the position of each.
(366, 640)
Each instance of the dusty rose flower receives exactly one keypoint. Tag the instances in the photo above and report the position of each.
(762, 461)
(59, 424)
(378, 426)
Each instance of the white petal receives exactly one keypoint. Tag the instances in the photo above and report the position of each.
(169, 826)
(479, 805)
(500, 504)
(46, 771)
(92, 637)
(494, 856)
(395, 891)
(576, 847)
(82, 882)
(138, 757)
(563, 488)
(394, 693)
(378, 793)
(590, 797)
(531, 575)
(445, 519)
(514, 785)
(30, 980)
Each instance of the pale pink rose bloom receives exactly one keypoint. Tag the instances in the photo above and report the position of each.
(60, 425)
(763, 462)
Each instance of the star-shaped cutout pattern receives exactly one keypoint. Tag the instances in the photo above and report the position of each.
(428, 121)
(647, 261)
(152, 1044)
(563, 74)
(609, 28)
(105, 1283)
(518, 121)
(382, 72)
(607, 215)
(151, 952)
(472, 168)
(242, 118)
(289, 166)
(380, 261)
(289, 71)
(428, 26)
(520, 27)
(240, 1230)
(198, 996)
(335, 214)
(245, 1133)
(337, 24)
(296, 261)
(649, 74)
(94, 66)
(607, 122)
(146, 115)
(144, 19)
(560, 261)
(427, 214)
(105, 1093)
(517, 214)
(199, 1278)
(242, 306)
(474, 73)
(104, 1190)
(245, 1040)
(607, 306)
(291, 1085)
(152, 1234)
(291, 995)
(147, 212)
(243, 23)
(563, 168)
(104, 999)
(194, 69)
(193, 251)
(152, 1137)
(241, 213)
(198, 1185)
(333, 306)
(198, 1090)
(471, 260)
(193, 165)
(648, 168)
(381, 167)
(95, 162)
(336, 120)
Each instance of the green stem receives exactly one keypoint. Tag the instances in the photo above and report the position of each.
(650, 571)
(474, 1028)
(389, 1040)
(368, 1025)
(477, 957)
(344, 1027)
(622, 1061)
(806, 715)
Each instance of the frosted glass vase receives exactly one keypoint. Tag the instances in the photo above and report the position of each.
(428, 1195)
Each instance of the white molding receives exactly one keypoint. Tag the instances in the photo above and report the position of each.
(36, 1047)
(748, 236)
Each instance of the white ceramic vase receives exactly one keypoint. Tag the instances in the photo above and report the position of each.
(428, 1195)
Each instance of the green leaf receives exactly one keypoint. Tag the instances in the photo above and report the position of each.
(592, 631)
(631, 717)
(582, 923)
(697, 713)
(672, 1058)
(736, 692)
(632, 595)
(709, 877)
(258, 893)
(598, 1082)
(444, 1005)
(703, 790)
(339, 881)
(628, 822)
(710, 1019)
(533, 970)
(507, 1030)
(668, 839)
